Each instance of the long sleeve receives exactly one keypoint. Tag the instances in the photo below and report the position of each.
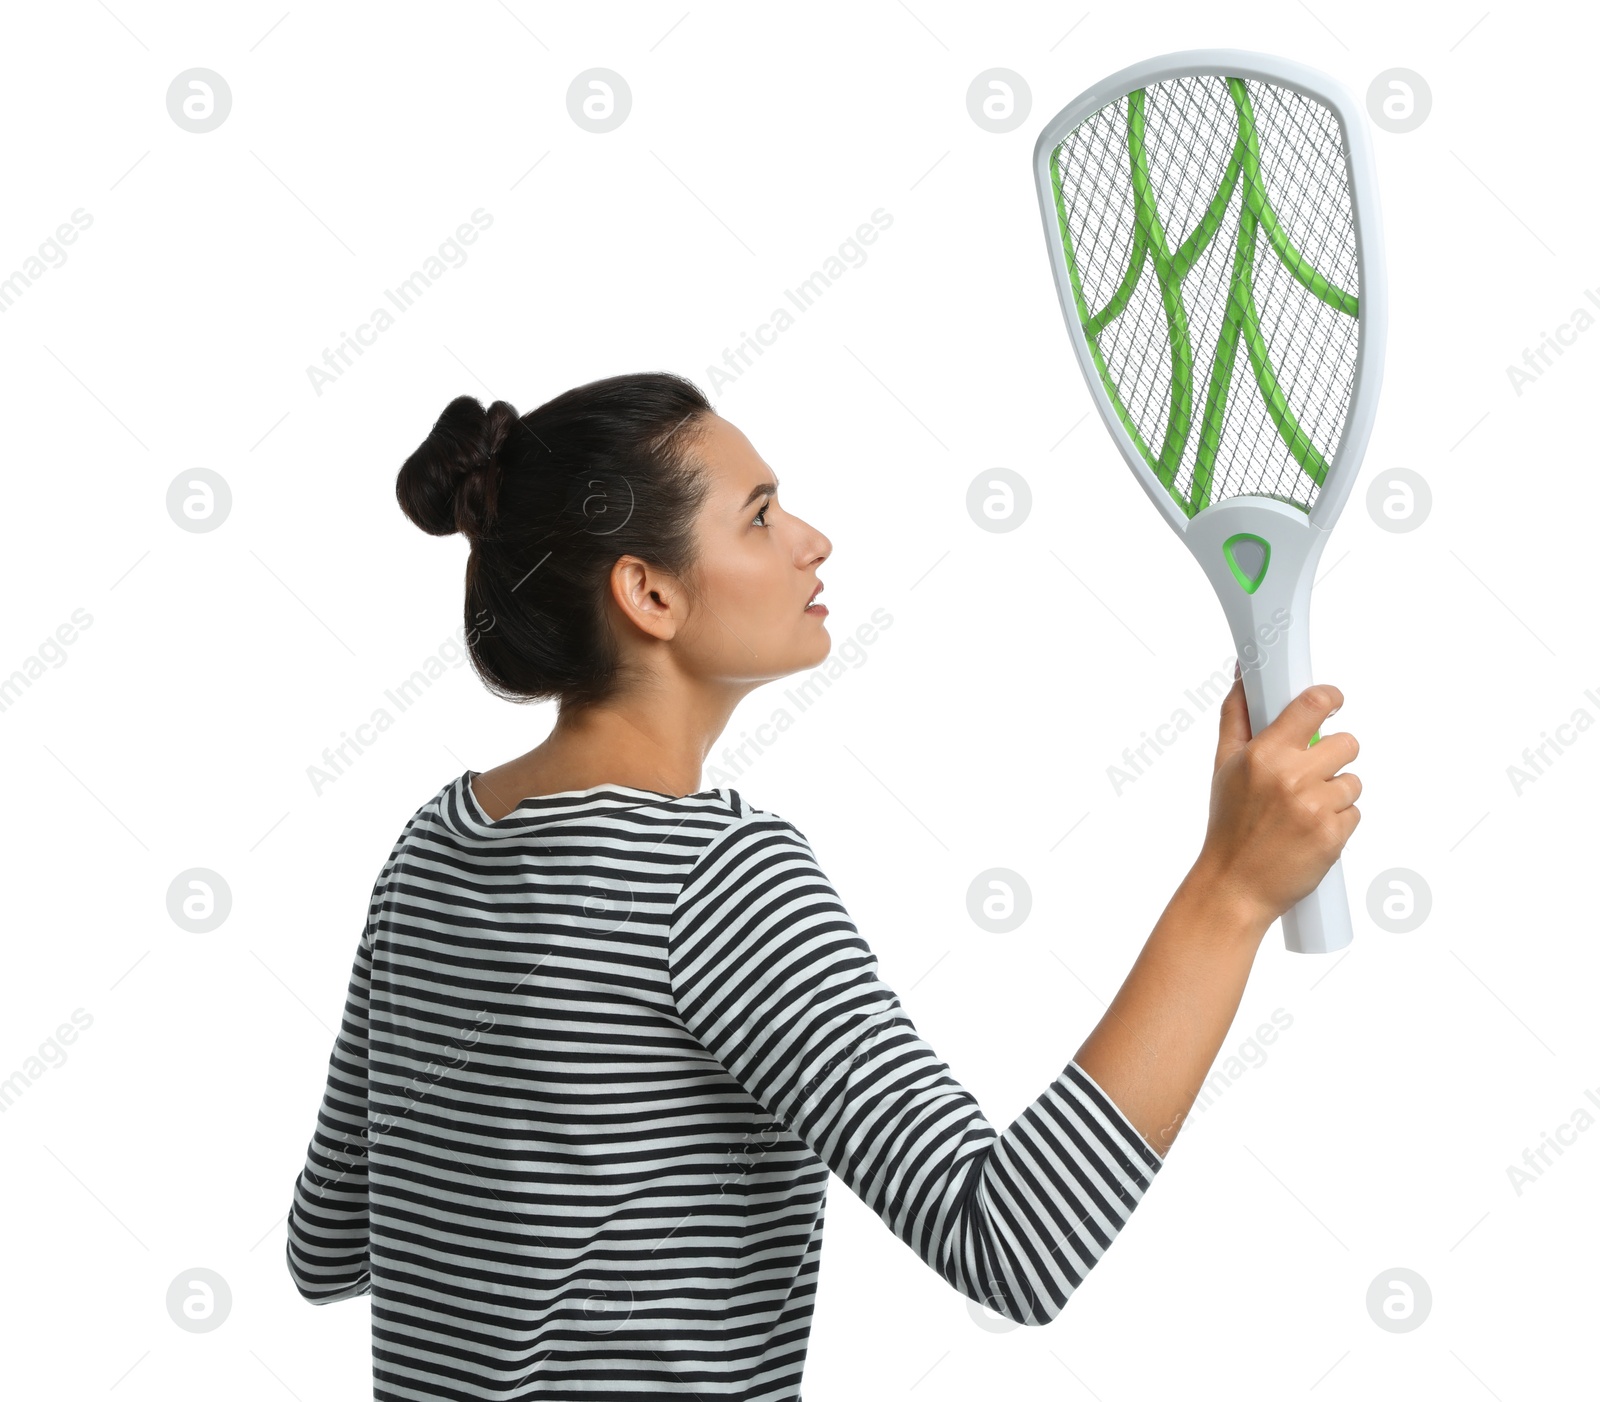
(772, 977)
(327, 1245)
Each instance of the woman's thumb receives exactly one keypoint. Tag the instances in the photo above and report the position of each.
(1233, 730)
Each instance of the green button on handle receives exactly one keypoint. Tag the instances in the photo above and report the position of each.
(1247, 557)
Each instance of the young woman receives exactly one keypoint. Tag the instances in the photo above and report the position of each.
(608, 1032)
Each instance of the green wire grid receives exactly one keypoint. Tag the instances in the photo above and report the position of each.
(1309, 169)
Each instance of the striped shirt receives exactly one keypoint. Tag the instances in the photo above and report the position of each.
(596, 1062)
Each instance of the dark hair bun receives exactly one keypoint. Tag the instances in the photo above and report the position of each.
(451, 482)
(550, 501)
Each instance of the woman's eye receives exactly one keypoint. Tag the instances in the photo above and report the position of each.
(766, 507)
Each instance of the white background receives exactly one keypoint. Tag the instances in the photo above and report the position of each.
(178, 730)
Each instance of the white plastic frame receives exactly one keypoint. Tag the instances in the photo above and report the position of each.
(1271, 627)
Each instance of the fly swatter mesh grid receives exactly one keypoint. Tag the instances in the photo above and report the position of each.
(1209, 230)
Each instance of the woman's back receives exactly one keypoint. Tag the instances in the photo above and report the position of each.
(597, 1060)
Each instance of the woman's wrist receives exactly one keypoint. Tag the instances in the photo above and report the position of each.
(1228, 908)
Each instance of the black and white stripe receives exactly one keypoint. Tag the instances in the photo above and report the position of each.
(597, 1060)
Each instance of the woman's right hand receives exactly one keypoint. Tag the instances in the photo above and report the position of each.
(1280, 811)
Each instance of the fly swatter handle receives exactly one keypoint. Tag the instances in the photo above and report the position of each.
(1320, 922)
(1260, 555)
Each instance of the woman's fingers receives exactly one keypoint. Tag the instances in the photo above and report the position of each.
(1331, 753)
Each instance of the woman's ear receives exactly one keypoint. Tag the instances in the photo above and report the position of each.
(651, 599)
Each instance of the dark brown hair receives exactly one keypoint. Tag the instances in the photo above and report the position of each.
(550, 500)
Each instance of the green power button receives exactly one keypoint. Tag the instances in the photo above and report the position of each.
(1247, 557)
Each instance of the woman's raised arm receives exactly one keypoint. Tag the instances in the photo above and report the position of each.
(1280, 816)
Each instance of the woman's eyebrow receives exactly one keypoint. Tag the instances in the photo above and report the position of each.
(762, 489)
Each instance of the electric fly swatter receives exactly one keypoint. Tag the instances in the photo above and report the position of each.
(1212, 219)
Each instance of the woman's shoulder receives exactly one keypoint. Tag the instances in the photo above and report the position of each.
(748, 848)
(745, 815)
